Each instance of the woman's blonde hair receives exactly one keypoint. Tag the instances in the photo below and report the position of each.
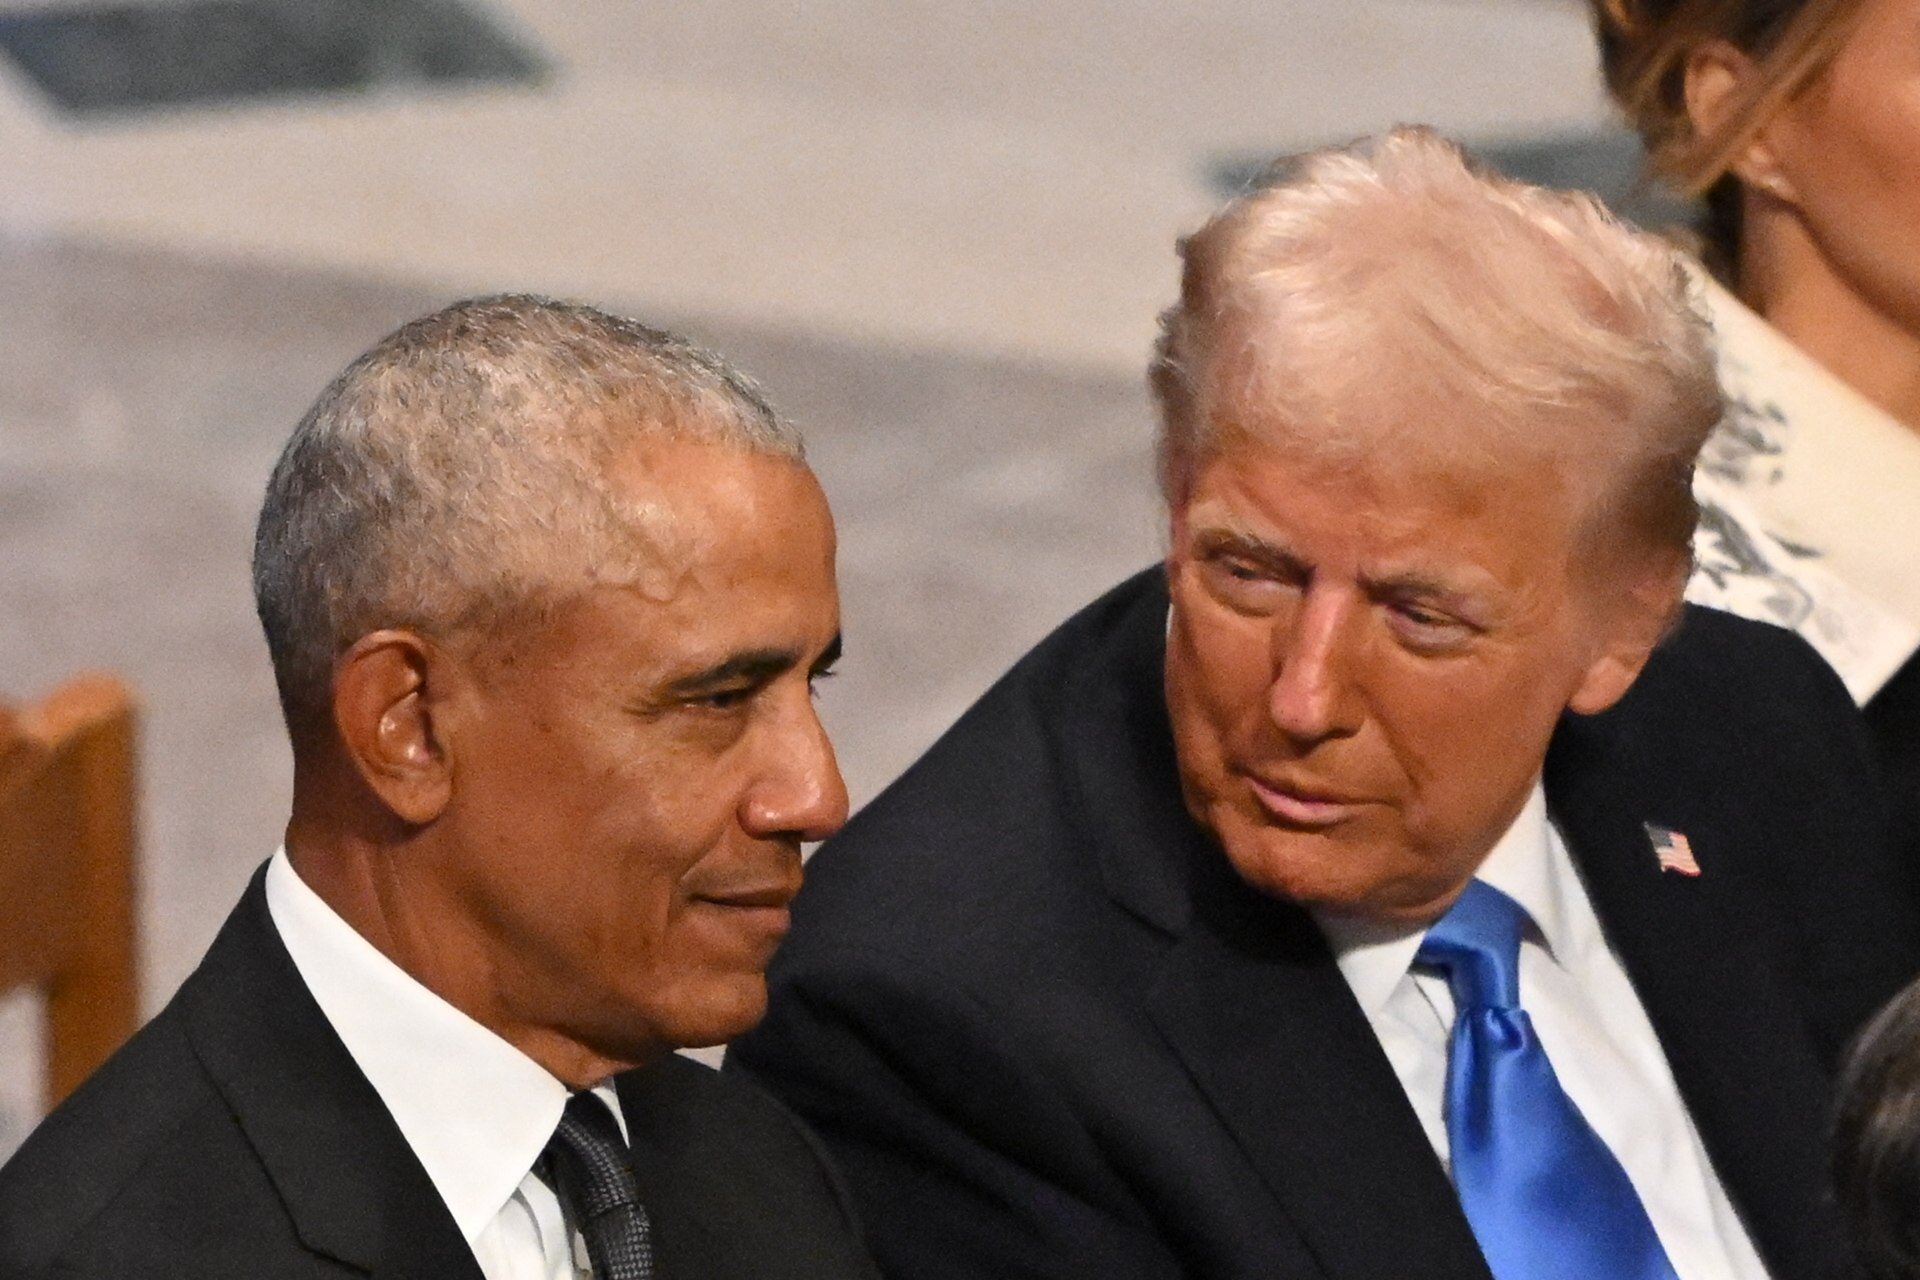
(1645, 46)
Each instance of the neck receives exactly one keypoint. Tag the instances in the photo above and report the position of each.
(1789, 281)
(390, 893)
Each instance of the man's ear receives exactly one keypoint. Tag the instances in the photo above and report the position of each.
(1719, 80)
(1631, 620)
(383, 695)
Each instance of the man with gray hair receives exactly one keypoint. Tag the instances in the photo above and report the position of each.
(1394, 883)
(546, 592)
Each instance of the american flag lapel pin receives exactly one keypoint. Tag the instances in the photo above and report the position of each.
(1672, 850)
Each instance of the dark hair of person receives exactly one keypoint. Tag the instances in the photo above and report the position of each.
(1876, 1141)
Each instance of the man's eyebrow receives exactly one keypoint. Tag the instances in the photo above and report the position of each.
(1241, 543)
(1411, 584)
(753, 666)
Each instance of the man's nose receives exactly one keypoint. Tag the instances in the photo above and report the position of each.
(1312, 696)
(800, 793)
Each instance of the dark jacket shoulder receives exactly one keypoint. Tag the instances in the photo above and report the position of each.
(142, 1170)
(1739, 733)
(726, 1149)
(737, 1186)
(234, 1136)
(995, 811)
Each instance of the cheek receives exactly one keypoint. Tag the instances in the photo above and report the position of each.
(613, 843)
(1860, 190)
(648, 851)
(641, 798)
(1219, 673)
(1469, 748)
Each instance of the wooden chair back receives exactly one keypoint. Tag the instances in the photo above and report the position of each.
(67, 797)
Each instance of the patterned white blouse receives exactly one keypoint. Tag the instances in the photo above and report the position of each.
(1810, 504)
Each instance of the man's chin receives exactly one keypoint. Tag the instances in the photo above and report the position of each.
(1328, 871)
(680, 1014)
(718, 1011)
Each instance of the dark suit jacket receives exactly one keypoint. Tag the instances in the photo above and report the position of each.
(235, 1137)
(1047, 1032)
(1893, 721)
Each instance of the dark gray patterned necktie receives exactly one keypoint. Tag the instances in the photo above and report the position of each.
(593, 1176)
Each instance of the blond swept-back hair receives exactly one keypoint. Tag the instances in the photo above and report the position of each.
(455, 476)
(1330, 307)
(1645, 47)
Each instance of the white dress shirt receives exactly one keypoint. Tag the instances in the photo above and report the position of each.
(1593, 1029)
(475, 1110)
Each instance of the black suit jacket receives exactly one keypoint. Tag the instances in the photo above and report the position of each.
(1047, 1032)
(235, 1137)
(1893, 721)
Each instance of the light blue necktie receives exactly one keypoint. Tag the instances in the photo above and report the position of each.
(1544, 1195)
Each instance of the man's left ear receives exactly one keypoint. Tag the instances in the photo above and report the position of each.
(385, 689)
(1631, 623)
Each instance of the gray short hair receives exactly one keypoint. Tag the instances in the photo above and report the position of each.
(1390, 268)
(455, 475)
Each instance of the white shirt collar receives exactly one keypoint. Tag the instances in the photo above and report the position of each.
(1529, 863)
(475, 1110)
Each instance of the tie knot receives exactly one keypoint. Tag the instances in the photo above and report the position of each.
(1477, 945)
(589, 1118)
(591, 1157)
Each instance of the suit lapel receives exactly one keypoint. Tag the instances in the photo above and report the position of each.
(351, 1185)
(1249, 997)
(687, 1245)
(1724, 1013)
(1253, 1004)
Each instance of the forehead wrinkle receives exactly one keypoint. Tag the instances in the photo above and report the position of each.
(1400, 568)
(676, 527)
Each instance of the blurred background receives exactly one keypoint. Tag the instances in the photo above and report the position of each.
(939, 234)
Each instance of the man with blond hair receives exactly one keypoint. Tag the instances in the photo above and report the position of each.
(546, 591)
(1397, 881)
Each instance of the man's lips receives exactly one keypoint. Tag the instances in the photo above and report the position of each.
(1301, 804)
(747, 894)
(755, 897)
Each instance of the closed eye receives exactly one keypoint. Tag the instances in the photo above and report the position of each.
(1425, 628)
(1244, 570)
(1420, 615)
(1246, 575)
(727, 699)
(732, 683)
